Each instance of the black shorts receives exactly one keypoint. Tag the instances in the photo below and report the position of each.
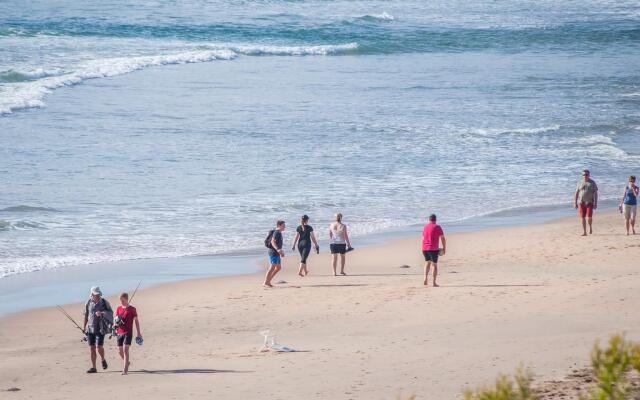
(94, 338)
(304, 253)
(124, 338)
(338, 248)
(431, 255)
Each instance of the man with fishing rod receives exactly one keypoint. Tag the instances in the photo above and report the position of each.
(98, 320)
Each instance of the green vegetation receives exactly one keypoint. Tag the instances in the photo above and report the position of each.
(611, 367)
(505, 388)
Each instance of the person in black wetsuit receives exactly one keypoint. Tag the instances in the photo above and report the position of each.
(304, 237)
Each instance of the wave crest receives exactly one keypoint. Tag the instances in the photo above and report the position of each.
(384, 16)
(23, 208)
(29, 93)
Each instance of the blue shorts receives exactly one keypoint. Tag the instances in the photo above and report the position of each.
(274, 259)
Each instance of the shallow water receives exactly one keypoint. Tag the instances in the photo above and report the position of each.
(163, 130)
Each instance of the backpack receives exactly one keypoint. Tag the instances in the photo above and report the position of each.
(267, 241)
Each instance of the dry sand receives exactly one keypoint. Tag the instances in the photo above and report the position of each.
(538, 295)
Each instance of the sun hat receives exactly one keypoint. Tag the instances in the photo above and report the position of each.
(96, 290)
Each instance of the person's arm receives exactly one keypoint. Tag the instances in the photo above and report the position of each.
(636, 190)
(624, 194)
(575, 198)
(346, 237)
(313, 239)
(444, 245)
(137, 326)
(275, 245)
(295, 240)
(86, 317)
(595, 199)
(330, 232)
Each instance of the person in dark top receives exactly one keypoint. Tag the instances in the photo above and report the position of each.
(98, 318)
(275, 251)
(629, 204)
(304, 237)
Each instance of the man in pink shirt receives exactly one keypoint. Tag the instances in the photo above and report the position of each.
(431, 236)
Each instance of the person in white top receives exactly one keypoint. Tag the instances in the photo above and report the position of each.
(339, 243)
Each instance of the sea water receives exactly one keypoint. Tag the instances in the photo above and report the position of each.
(157, 129)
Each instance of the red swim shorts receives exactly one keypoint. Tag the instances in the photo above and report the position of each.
(585, 210)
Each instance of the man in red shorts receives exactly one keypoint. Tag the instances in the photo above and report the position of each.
(586, 200)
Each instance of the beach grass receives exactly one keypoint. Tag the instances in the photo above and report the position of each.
(610, 366)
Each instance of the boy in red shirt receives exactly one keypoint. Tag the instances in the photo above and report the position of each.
(126, 315)
(431, 236)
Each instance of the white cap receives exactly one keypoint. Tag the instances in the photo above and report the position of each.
(96, 290)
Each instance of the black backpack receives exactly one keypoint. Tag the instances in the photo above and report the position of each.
(267, 241)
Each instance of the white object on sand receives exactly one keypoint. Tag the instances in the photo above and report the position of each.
(270, 343)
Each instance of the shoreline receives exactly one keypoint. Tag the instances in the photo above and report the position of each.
(504, 292)
(63, 285)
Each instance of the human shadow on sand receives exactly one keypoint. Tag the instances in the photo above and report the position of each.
(186, 371)
(522, 285)
(337, 285)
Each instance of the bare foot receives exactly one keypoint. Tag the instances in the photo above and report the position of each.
(301, 274)
(584, 234)
(342, 273)
(426, 283)
(435, 285)
(267, 285)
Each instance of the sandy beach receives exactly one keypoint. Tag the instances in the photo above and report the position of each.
(537, 295)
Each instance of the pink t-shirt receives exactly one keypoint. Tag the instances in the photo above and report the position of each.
(431, 236)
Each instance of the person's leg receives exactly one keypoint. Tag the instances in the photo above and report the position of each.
(120, 351)
(271, 273)
(307, 251)
(267, 278)
(427, 267)
(301, 269)
(632, 220)
(101, 352)
(125, 370)
(342, 261)
(92, 349)
(334, 263)
(276, 269)
(627, 224)
(435, 274)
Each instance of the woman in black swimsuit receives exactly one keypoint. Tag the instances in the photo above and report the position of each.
(304, 237)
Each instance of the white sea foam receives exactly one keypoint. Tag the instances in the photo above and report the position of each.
(30, 94)
(506, 131)
(256, 50)
(384, 16)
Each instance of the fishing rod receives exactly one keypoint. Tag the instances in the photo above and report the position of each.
(73, 321)
(134, 292)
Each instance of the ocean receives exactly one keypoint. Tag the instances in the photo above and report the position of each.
(161, 129)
